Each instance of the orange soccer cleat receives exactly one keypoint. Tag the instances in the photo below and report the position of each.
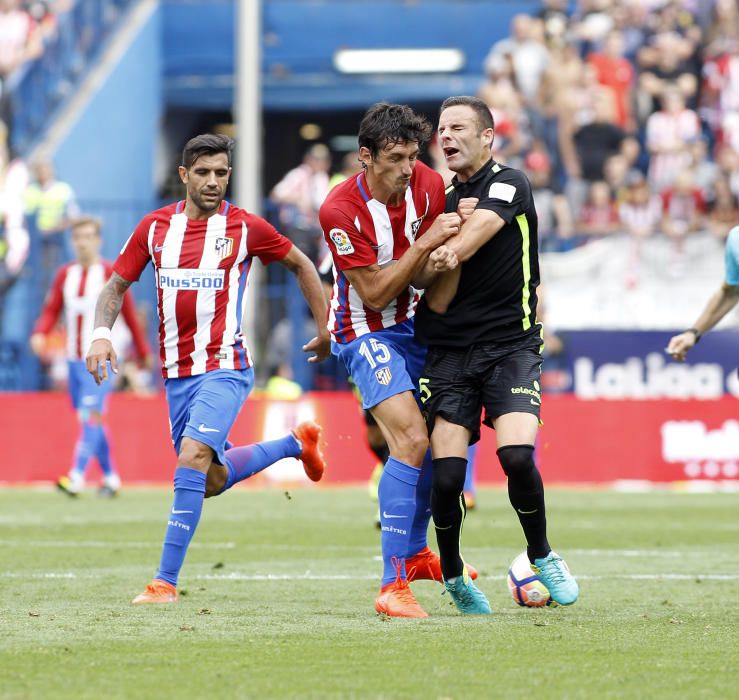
(397, 600)
(157, 592)
(314, 464)
(427, 565)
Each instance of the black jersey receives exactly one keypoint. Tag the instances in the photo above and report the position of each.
(496, 298)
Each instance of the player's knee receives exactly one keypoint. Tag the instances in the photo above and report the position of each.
(195, 455)
(215, 480)
(517, 460)
(418, 443)
(448, 476)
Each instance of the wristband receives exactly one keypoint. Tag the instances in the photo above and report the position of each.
(695, 332)
(100, 333)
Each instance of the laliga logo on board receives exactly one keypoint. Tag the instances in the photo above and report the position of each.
(651, 378)
(707, 453)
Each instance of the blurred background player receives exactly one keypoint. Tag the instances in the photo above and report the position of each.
(722, 301)
(74, 291)
(381, 227)
(201, 259)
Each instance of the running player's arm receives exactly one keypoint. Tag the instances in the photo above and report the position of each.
(49, 314)
(131, 261)
(720, 303)
(310, 284)
(140, 344)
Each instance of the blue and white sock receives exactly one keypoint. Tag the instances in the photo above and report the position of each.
(85, 447)
(189, 492)
(419, 529)
(397, 495)
(243, 462)
(102, 451)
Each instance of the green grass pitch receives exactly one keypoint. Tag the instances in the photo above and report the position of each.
(278, 601)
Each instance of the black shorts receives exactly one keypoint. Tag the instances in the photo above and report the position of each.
(499, 377)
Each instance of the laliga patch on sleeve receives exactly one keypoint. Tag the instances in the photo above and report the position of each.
(502, 190)
(341, 241)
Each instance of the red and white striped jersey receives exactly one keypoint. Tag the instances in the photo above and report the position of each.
(361, 231)
(201, 270)
(75, 290)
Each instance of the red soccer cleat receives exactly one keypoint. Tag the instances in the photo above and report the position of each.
(427, 565)
(314, 464)
(157, 592)
(397, 600)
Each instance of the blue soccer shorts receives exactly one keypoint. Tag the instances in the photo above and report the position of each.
(204, 407)
(383, 363)
(85, 394)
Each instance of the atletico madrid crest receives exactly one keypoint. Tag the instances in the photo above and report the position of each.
(384, 375)
(224, 247)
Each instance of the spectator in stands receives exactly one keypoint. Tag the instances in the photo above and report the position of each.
(616, 173)
(720, 90)
(616, 72)
(640, 214)
(683, 208)
(669, 135)
(14, 239)
(528, 54)
(641, 211)
(53, 205)
(704, 169)
(564, 104)
(500, 92)
(666, 67)
(723, 208)
(19, 40)
(552, 208)
(299, 196)
(727, 159)
(594, 143)
(599, 216)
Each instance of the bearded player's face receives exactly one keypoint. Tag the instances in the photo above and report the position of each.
(206, 181)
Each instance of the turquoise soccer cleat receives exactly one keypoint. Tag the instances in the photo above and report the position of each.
(554, 574)
(468, 598)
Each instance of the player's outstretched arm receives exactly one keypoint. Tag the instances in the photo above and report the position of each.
(106, 312)
(722, 301)
(310, 284)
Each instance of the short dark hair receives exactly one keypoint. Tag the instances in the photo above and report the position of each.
(482, 111)
(87, 220)
(206, 145)
(386, 124)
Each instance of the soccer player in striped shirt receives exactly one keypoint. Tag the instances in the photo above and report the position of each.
(201, 249)
(74, 291)
(381, 227)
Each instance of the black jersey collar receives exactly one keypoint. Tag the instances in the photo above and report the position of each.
(479, 175)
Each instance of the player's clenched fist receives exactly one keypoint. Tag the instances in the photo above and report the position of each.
(466, 206)
(680, 344)
(444, 258)
(100, 352)
(444, 226)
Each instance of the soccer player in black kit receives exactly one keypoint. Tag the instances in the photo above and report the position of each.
(484, 343)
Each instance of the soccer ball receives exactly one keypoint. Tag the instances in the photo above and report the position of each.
(526, 588)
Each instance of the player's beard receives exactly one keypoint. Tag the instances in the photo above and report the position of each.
(204, 204)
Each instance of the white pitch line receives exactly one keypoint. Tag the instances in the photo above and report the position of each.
(236, 576)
